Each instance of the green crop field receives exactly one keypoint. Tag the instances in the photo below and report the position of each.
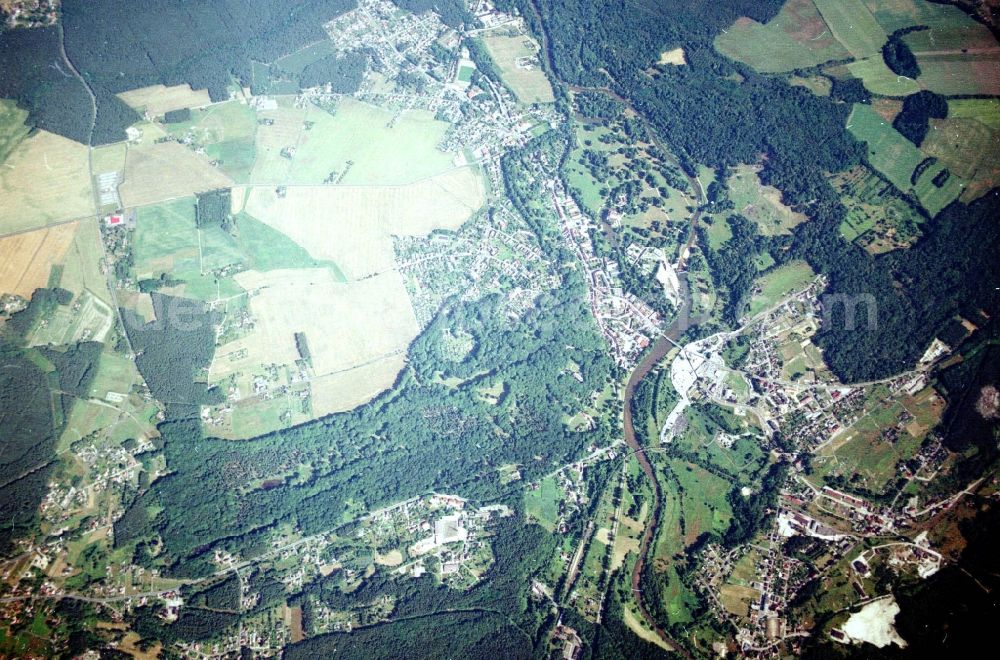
(879, 79)
(985, 111)
(797, 37)
(955, 73)
(896, 158)
(168, 241)
(267, 248)
(542, 504)
(777, 284)
(853, 25)
(893, 15)
(295, 62)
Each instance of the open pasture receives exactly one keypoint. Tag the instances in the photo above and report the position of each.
(880, 79)
(26, 260)
(897, 158)
(295, 62)
(352, 225)
(160, 172)
(226, 131)
(775, 285)
(169, 241)
(985, 111)
(155, 100)
(854, 26)
(266, 248)
(347, 325)
(108, 158)
(45, 180)
(82, 263)
(761, 203)
(894, 15)
(955, 73)
(797, 37)
(966, 147)
(355, 144)
(517, 58)
(345, 390)
(357, 334)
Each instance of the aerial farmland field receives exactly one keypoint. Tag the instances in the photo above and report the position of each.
(351, 225)
(356, 144)
(165, 171)
(227, 132)
(12, 127)
(30, 257)
(853, 25)
(155, 100)
(797, 37)
(897, 158)
(168, 241)
(44, 180)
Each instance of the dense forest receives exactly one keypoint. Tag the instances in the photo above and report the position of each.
(343, 73)
(29, 426)
(209, 45)
(913, 121)
(708, 117)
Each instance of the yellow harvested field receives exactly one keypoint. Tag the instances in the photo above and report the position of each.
(353, 225)
(349, 389)
(159, 172)
(517, 58)
(27, 259)
(357, 332)
(45, 180)
(158, 99)
(675, 56)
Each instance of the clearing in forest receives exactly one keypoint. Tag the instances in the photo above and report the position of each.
(675, 57)
(156, 100)
(45, 180)
(517, 58)
(761, 203)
